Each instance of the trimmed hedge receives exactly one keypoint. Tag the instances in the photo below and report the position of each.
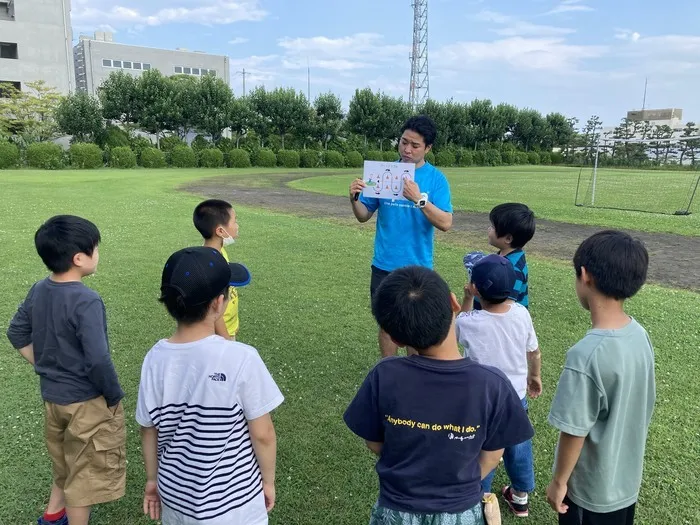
(521, 158)
(9, 155)
(310, 158)
(354, 159)
(238, 158)
(390, 156)
(533, 157)
(466, 158)
(152, 158)
(45, 156)
(183, 157)
(333, 159)
(288, 158)
(545, 158)
(171, 142)
(492, 157)
(430, 157)
(374, 155)
(211, 158)
(122, 157)
(86, 156)
(265, 158)
(445, 159)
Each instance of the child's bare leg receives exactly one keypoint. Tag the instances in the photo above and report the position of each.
(78, 515)
(57, 500)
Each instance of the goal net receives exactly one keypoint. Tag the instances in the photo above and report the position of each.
(652, 176)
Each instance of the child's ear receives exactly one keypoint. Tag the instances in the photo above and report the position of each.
(454, 303)
(586, 277)
(509, 239)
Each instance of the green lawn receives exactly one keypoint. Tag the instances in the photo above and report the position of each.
(307, 313)
(550, 191)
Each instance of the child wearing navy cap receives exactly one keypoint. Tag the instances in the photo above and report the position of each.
(204, 405)
(501, 334)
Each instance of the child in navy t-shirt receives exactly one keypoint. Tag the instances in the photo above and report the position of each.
(438, 422)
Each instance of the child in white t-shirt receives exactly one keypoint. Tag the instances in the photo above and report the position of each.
(204, 406)
(502, 335)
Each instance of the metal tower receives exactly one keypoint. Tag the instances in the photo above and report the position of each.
(420, 80)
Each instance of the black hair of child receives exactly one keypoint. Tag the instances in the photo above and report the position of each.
(413, 306)
(62, 237)
(211, 214)
(183, 314)
(616, 261)
(424, 126)
(516, 220)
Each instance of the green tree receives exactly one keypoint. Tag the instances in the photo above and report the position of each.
(30, 114)
(690, 147)
(155, 103)
(240, 117)
(328, 118)
(118, 96)
(183, 113)
(80, 115)
(363, 114)
(260, 121)
(393, 114)
(213, 103)
(286, 110)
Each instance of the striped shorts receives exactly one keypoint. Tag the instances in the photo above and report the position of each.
(384, 516)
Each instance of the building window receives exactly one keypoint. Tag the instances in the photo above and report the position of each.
(8, 50)
(137, 65)
(4, 91)
(146, 67)
(212, 72)
(195, 71)
(117, 63)
(127, 65)
(187, 70)
(178, 70)
(7, 10)
(106, 62)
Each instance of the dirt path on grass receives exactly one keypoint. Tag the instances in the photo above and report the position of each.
(674, 259)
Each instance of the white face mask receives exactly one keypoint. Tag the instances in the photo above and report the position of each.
(228, 241)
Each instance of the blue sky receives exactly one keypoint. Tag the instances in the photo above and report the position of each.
(579, 57)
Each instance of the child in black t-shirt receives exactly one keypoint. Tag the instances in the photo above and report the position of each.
(438, 422)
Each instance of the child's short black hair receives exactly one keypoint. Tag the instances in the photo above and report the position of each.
(183, 314)
(516, 220)
(211, 214)
(62, 237)
(413, 306)
(424, 126)
(616, 261)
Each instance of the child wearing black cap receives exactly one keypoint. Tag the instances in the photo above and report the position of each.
(204, 406)
(501, 335)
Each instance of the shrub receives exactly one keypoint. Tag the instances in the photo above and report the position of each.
(374, 155)
(545, 158)
(288, 158)
(45, 156)
(86, 156)
(508, 156)
(138, 144)
(333, 159)
(478, 157)
(533, 157)
(466, 158)
(211, 158)
(492, 157)
(170, 143)
(9, 155)
(309, 158)
(238, 158)
(113, 137)
(225, 144)
(200, 143)
(354, 159)
(391, 156)
(183, 157)
(152, 158)
(122, 157)
(265, 158)
(521, 158)
(430, 157)
(445, 159)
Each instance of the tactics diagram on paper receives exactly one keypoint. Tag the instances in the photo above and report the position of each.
(384, 180)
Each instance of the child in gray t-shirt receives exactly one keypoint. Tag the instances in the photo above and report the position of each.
(606, 393)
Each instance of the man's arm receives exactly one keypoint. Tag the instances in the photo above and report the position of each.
(568, 452)
(362, 214)
(442, 220)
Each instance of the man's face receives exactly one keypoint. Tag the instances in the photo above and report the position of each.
(412, 147)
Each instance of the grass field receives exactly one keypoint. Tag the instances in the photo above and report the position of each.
(307, 313)
(550, 191)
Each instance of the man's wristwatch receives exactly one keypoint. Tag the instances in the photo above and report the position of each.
(423, 200)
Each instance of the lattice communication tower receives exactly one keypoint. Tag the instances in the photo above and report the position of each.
(420, 80)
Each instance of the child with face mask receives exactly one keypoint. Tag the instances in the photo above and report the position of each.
(216, 221)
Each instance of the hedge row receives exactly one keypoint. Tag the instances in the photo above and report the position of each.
(50, 156)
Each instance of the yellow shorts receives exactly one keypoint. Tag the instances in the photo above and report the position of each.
(87, 446)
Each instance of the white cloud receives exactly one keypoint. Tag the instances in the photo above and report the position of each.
(209, 12)
(626, 34)
(238, 40)
(514, 27)
(569, 6)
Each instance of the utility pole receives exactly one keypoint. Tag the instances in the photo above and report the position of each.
(308, 80)
(243, 73)
(420, 80)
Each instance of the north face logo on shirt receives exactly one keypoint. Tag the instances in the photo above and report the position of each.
(218, 377)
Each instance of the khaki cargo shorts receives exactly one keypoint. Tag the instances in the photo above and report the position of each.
(87, 445)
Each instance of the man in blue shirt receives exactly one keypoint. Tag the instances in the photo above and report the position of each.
(405, 228)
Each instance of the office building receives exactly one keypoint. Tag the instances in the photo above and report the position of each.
(96, 57)
(35, 43)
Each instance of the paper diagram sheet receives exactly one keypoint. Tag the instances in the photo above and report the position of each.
(384, 180)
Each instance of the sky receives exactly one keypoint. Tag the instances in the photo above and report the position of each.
(577, 57)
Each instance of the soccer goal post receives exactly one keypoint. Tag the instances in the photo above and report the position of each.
(657, 176)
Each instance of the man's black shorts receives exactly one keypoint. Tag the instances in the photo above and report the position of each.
(378, 276)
